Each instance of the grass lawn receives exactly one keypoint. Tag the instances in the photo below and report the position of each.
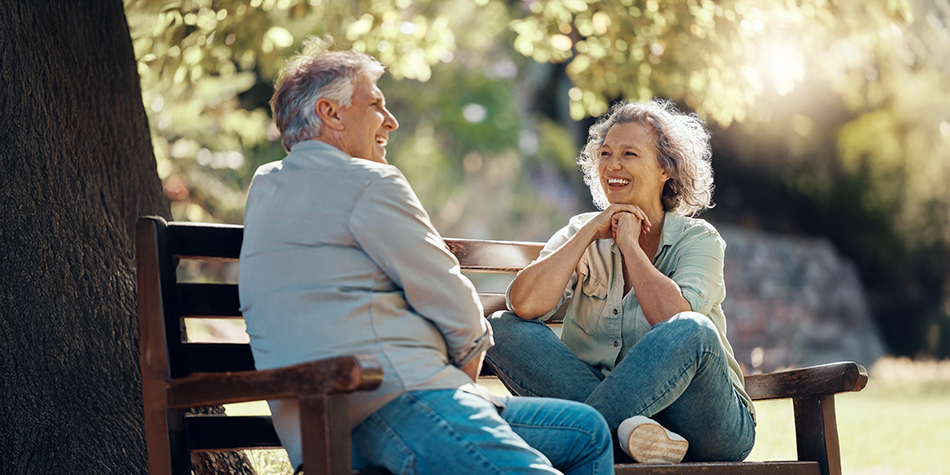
(898, 425)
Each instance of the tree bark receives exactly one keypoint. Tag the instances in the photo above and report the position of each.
(76, 170)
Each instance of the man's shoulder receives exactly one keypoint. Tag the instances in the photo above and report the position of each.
(317, 157)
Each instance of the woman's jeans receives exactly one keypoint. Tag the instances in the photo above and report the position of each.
(676, 374)
(458, 433)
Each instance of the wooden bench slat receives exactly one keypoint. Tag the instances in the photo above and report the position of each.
(197, 300)
(344, 374)
(824, 379)
(208, 300)
(213, 358)
(497, 257)
(205, 241)
(221, 432)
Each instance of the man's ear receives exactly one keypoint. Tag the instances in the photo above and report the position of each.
(329, 113)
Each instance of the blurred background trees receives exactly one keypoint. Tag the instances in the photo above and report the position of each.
(828, 118)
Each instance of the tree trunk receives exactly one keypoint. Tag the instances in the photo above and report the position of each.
(76, 170)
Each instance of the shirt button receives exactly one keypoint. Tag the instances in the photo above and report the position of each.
(616, 343)
(615, 311)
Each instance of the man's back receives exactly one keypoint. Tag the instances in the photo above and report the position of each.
(325, 272)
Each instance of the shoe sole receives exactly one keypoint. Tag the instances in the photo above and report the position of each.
(649, 443)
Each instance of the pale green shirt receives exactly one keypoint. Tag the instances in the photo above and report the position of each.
(601, 325)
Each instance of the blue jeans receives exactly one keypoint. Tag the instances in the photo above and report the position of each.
(676, 374)
(455, 432)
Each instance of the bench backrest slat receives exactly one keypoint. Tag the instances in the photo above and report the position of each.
(222, 242)
(214, 358)
(222, 432)
(208, 300)
(205, 241)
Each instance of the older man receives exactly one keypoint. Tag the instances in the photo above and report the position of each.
(339, 257)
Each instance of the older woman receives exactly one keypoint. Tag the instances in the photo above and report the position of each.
(644, 336)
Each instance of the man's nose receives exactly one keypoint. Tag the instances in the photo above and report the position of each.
(390, 121)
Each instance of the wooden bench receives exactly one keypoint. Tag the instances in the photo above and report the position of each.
(178, 374)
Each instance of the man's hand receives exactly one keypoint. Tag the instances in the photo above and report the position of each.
(474, 367)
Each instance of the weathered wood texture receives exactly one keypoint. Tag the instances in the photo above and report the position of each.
(178, 374)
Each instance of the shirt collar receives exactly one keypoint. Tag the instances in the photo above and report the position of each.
(305, 151)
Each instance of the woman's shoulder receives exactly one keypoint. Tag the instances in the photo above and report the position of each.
(694, 228)
(697, 225)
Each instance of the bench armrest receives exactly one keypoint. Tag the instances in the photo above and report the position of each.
(330, 376)
(814, 380)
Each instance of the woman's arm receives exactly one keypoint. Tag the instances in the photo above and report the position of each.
(538, 287)
(659, 296)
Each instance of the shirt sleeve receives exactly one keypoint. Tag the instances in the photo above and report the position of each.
(391, 226)
(699, 272)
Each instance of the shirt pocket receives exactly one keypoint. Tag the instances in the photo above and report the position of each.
(591, 301)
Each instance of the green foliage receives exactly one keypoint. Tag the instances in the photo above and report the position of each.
(846, 92)
(716, 57)
(198, 57)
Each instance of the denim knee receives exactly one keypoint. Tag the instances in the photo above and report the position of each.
(692, 329)
(601, 436)
(504, 322)
(592, 423)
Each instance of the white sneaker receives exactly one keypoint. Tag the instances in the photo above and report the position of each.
(646, 441)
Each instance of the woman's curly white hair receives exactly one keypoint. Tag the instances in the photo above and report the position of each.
(682, 151)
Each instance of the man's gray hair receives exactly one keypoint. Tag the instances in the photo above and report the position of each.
(313, 74)
(682, 149)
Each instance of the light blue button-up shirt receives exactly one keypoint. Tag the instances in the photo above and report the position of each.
(340, 258)
(602, 324)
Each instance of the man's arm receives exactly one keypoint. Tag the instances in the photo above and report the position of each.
(391, 226)
(474, 367)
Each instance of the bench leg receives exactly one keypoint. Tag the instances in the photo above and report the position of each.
(325, 435)
(816, 431)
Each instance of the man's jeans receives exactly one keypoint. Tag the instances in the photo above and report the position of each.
(676, 374)
(458, 433)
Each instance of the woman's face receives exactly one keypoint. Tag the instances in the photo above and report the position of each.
(628, 168)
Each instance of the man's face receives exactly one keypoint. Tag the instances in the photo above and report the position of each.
(366, 123)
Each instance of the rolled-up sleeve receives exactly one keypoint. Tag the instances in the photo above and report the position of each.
(556, 241)
(391, 226)
(699, 272)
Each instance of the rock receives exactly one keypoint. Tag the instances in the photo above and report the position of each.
(794, 301)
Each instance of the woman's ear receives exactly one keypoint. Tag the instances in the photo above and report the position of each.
(329, 113)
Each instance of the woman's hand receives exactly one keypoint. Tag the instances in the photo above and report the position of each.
(626, 228)
(603, 226)
(539, 286)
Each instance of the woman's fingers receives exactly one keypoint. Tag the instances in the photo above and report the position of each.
(634, 210)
